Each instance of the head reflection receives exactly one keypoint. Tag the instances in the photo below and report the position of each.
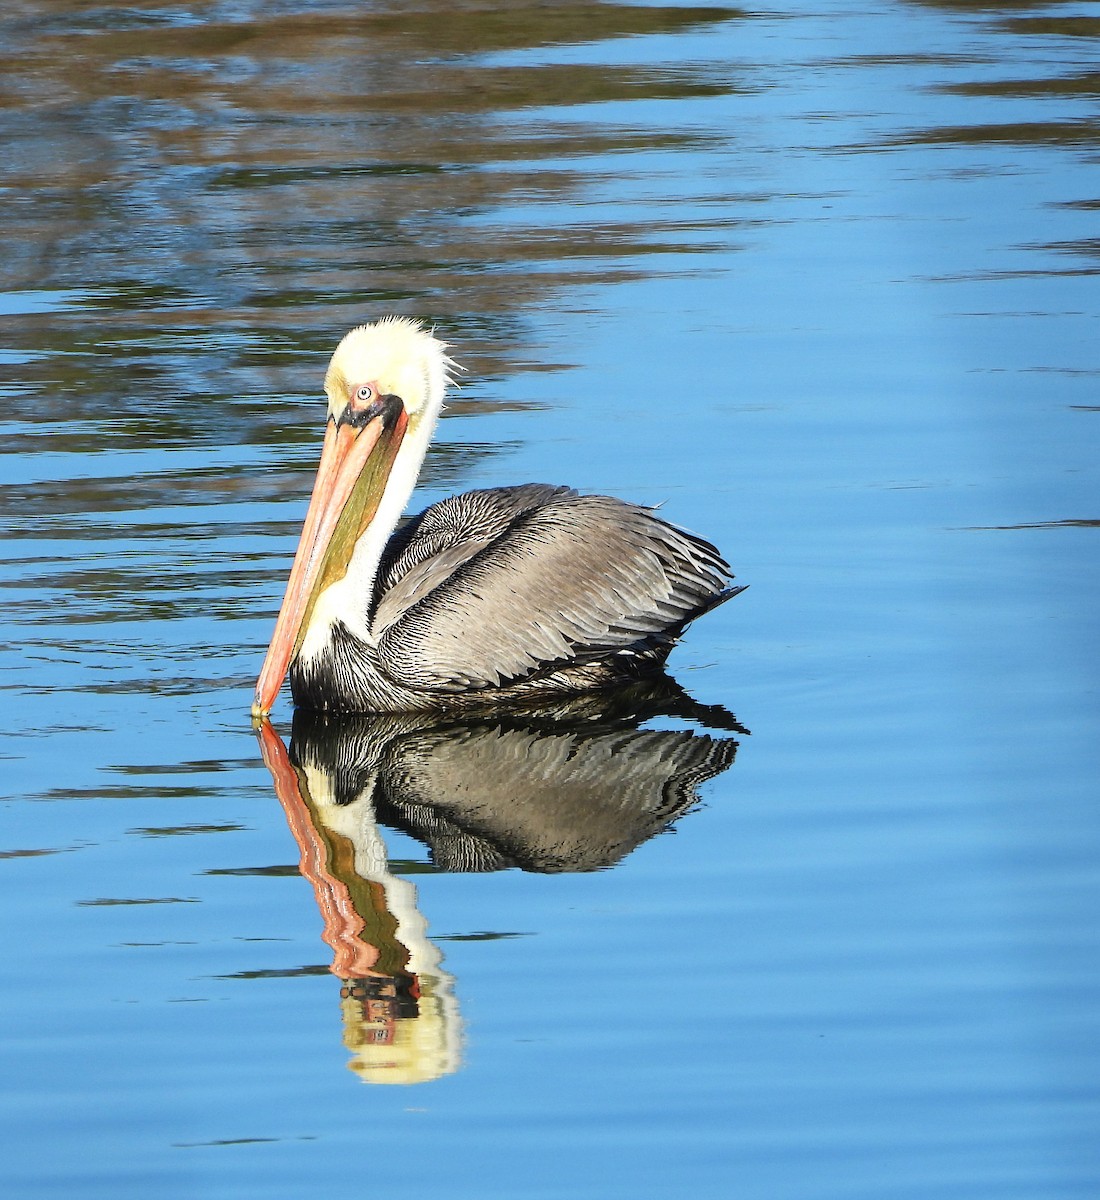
(575, 789)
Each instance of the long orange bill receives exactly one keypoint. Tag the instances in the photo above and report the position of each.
(346, 495)
(354, 955)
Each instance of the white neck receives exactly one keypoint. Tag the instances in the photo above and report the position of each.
(348, 599)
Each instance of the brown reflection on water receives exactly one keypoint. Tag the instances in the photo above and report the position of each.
(260, 182)
(1029, 97)
(1053, 76)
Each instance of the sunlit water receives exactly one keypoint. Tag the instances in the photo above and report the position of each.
(823, 284)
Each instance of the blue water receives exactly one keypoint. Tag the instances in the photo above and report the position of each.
(823, 285)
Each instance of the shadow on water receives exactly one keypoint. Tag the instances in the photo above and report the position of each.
(575, 788)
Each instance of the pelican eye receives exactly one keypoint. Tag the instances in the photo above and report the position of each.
(364, 394)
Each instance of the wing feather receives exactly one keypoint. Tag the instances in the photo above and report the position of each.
(496, 586)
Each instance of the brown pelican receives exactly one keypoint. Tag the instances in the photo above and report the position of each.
(497, 597)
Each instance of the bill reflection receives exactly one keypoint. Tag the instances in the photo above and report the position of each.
(576, 789)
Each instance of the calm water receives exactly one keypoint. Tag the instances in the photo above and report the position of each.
(820, 281)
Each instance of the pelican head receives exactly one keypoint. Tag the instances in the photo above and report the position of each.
(393, 357)
(385, 387)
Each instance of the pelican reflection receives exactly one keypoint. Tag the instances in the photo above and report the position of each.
(573, 789)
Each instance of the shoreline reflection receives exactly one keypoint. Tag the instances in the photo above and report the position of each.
(574, 788)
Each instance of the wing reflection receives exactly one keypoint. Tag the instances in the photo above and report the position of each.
(573, 789)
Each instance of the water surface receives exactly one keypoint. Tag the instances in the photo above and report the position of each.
(819, 282)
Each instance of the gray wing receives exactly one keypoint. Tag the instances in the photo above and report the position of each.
(496, 586)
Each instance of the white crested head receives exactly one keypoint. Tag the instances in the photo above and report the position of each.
(395, 356)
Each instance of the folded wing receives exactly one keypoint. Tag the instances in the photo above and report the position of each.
(495, 586)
